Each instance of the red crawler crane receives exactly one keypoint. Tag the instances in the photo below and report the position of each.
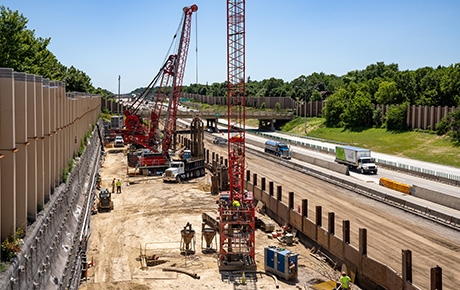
(173, 69)
(178, 77)
(236, 208)
(172, 74)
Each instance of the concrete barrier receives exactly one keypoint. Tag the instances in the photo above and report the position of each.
(436, 196)
(340, 168)
(255, 143)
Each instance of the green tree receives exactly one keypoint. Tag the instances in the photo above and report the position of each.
(388, 93)
(377, 117)
(450, 125)
(316, 96)
(335, 106)
(12, 26)
(22, 51)
(358, 113)
(396, 117)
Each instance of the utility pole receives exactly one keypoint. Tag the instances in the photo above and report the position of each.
(304, 103)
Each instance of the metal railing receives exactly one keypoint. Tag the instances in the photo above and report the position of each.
(381, 161)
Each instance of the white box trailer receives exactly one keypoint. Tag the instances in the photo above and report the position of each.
(355, 157)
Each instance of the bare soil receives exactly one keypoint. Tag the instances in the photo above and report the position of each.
(150, 214)
(150, 211)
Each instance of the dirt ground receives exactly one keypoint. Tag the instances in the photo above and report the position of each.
(149, 213)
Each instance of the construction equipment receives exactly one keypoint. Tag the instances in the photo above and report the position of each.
(280, 262)
(236, 207)
(149, 258)
(105, 201)
(146, 133)
(187, 242)
(190, 165)
(209, 229)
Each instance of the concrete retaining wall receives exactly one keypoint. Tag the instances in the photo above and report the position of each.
(435, 196)
(51, 254)
(340, 168)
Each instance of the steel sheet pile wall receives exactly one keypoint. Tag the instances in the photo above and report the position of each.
(41, 129)
(370, 273)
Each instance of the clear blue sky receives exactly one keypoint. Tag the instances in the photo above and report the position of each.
(284, 39)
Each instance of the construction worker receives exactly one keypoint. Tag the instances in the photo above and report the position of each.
(236, 204)
(113, 185)
(345, 281)
(118, 186)
(98, 185)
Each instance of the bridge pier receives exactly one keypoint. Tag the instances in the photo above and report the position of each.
(272, 124)
(212, 123)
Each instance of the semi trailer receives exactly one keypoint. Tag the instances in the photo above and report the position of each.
(277, 148)
(356, 158)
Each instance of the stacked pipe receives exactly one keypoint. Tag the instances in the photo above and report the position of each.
(41, 128)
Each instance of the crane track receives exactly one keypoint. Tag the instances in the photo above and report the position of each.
(425, 212)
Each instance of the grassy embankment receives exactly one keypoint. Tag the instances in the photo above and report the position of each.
(411, 144)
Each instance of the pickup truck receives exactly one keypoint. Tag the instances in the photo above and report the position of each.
(355, 157)
(119, 142)
(184, 169)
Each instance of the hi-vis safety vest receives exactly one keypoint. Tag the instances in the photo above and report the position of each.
(119, 183)
(345, 280)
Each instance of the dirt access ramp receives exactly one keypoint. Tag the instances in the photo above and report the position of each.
(150, 213)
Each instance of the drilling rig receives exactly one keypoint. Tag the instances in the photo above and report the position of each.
(236, 206)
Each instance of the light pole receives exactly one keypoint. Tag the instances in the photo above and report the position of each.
(119, 78)
(304, 103)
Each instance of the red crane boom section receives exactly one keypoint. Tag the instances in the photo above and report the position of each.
(178, 77)
(236, 95)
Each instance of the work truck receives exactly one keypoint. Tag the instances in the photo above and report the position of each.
(191, 161)
(184, 169)
(356, 158)
(277, 148)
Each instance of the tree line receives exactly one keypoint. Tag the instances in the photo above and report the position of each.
(22, 51)
(350, 98)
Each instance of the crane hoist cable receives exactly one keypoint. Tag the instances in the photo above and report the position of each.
(174, 43)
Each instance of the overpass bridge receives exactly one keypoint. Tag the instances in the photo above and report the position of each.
(267, 120)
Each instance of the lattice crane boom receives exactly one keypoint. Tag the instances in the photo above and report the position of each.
(178, 77)
(236, 209)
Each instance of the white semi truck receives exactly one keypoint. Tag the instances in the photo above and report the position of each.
(355, 157)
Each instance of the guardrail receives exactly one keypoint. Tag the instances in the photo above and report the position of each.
(440, 176)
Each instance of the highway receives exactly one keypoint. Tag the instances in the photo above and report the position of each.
(390, 229)
(370, 180)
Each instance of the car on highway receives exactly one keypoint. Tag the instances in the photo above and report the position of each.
(220, 141)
